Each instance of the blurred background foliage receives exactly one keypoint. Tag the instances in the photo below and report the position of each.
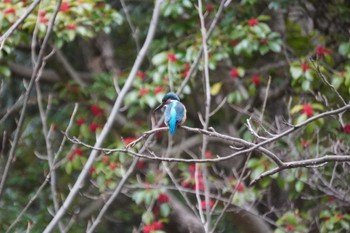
(301, 46)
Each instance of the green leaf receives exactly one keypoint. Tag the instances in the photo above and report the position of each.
(241, 71)
(5, 71)
(295, 71)
(264, 17)
(147, 217)
(317, 106)
(336, 82)
(138, 197)
(160, 58)
(345, 225)
(344, 49)
(85, 131)
(253, 163)
(164, 210)
(76, 162)
(151, 101)
(151, 177)
(309, 75)
(257, 172)
(69, 168)
(275, 47)
(301, 119)
(299, 186)
(264, 49)
(281, 182)
(306, 85)
(296, 108)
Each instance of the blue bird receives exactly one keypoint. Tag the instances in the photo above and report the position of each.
(175, 111)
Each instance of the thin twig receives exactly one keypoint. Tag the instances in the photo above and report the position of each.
(49, 149)
(206, 116)
(107, 127)
(18, 22)
(19, 216)
(113, 196)
(303, 163)
(324, 79)
(25, 101)
(131, 25)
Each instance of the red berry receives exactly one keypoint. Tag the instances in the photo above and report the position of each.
(256, 79)
(290, 227)
(143, 91)
(128, 140)
(10, 11)
(96, 110)
(204, 204)
(304, 66)
(93, 127)
(208, 154)
(43, 19)
(64, 7)
(192, 168)
(113, 166)
(78, 151)
(71, 26)
(42, 13)
(322, 51)
(307, 110)
(92, 169)
(253, 22)
(105, 159)
(157, 225)
(210, 7)
(158, 89)
(163, 198)
(239, 187)
(140, 165)
(234, 73)
(140, 75)
(71, 157)
(171, 57)
(346, 129)
(81, 121)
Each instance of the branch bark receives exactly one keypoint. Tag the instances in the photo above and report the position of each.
(107, 127)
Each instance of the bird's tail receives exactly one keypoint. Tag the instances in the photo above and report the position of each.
(172, 126)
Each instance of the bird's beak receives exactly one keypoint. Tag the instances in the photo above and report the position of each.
(159, 107)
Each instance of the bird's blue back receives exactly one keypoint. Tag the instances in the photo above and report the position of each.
(174, 115)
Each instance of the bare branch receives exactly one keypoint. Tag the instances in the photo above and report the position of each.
(304, 163)
(18, 22)
(26, 97)
(30, 202)
(107, 127)
(113, 196)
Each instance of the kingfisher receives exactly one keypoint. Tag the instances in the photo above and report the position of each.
(175, 111)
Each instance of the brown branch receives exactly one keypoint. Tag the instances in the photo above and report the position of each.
(47, 75)
(230, 139)
(26, 97)
(304, 163)
(18, 22)
(108, 126)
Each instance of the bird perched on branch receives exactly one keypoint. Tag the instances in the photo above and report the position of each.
(175, 111)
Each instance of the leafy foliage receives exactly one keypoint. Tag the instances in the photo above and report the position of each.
(275, 69)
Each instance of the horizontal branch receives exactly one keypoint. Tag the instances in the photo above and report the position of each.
(236, 141)
(303, 163)
(146, 134)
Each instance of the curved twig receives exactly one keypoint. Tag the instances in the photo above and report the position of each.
(107, 127)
